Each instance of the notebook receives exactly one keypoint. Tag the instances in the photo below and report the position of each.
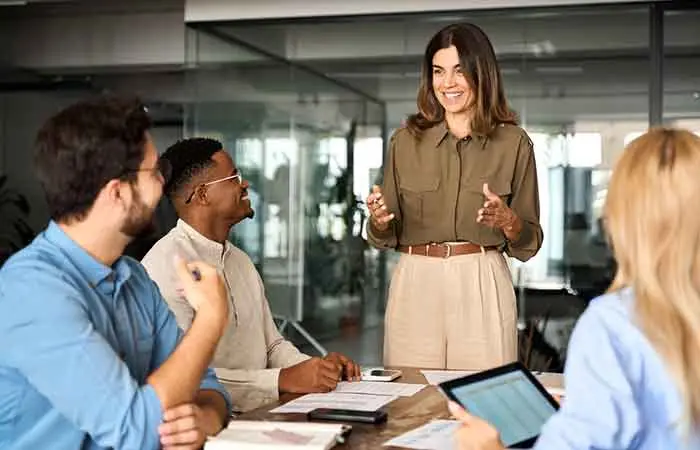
(259, 435)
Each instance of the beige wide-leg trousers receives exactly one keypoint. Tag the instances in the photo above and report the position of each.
(452, 313)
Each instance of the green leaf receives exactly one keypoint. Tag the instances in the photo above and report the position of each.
(6, 241)
(16, 200)
(22, 203)
(16, 231)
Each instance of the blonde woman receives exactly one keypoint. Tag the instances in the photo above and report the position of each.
(633, 371)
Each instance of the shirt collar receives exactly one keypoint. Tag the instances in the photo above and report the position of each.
(440, 132)
(206, 248)
(92, 269)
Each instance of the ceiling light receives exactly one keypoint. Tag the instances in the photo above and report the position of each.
(559, 70)
(375, 75)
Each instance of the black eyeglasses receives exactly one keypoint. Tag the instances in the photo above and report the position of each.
(162, 165)
(237, 177)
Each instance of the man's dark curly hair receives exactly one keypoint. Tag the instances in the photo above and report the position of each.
(80, 149)
(188, 158)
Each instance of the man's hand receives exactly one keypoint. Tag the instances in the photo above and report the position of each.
(204, 289)
(312, 375)
(183, 428)
(350, 371)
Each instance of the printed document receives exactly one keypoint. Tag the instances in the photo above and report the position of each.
(435, 435)
(378, 388)
(356, 402)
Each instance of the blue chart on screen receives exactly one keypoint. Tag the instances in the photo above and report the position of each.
(510, 402)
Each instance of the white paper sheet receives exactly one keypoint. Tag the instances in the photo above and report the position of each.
(243, 434)
(556, 391)
(552, 381)
(435, 435)
(435, 377)
(379, 388)
(357, 402)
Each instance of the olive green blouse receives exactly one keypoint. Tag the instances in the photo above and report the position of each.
(434, 186)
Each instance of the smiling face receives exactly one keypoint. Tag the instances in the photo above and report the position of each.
(229, 197)
(450, 86)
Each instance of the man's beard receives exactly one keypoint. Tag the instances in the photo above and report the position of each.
(141, 221)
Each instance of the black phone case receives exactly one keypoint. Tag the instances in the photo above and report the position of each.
(375, 417)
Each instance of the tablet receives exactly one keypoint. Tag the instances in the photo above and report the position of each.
(508, 397)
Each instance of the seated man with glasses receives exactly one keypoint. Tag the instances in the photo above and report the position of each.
(210, 197)
(90, 355)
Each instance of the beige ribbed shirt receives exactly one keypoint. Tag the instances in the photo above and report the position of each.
(251, 351)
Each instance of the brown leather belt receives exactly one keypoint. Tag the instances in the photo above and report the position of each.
(444, 250)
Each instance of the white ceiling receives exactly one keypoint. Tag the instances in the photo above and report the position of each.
(559, 66)
(237, 10)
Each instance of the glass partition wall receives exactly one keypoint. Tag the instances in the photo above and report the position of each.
(310, 148)
(578, 77)
(681, 66)
(584, 81)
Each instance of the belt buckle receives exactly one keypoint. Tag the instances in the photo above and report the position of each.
(448, 252)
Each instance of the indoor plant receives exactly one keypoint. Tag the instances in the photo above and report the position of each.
(15, 232)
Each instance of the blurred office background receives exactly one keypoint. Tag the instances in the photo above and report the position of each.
(304, 95)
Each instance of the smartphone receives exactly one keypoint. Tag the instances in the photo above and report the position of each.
(380, 374)
(348, 415)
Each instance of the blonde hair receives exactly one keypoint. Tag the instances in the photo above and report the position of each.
(653, 220)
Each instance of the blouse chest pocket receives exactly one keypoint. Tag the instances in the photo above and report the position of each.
(495, 166)
(475, 190)
(419, 199)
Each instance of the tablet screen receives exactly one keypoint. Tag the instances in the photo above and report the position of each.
(510, 402)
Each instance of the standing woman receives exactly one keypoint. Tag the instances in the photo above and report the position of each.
(459, 189)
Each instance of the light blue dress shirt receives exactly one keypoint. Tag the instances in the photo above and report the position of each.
(77, 341)
(619, 394)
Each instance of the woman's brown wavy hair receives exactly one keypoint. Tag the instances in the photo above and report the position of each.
(478, 62)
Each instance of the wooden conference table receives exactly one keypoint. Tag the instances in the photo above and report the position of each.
(405, 413)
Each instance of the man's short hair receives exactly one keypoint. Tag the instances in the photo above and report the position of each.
(188, 158)
(80, 149)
